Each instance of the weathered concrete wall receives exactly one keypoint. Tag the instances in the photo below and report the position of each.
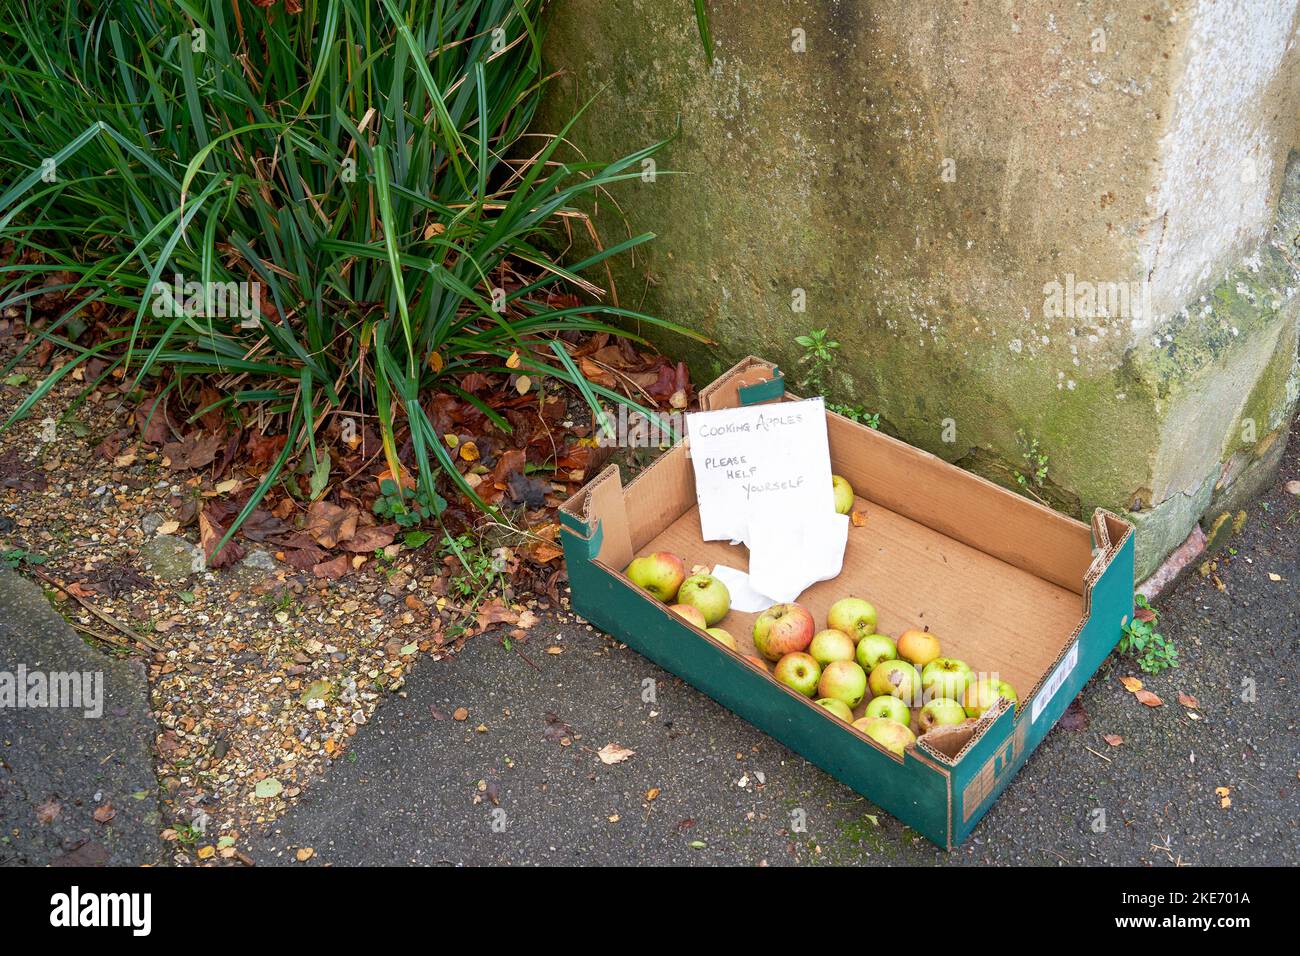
(925, 171)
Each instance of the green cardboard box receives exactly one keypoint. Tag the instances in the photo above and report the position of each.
(1008, 585)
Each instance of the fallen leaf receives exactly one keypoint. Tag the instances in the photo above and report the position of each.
(652, 793)
(859, 519)
(522, 384)
(333, 569)
(468, 451)
(104, 813)
(1074, 718)
(211, 532)
(47, 811)
(195, 450)
(1113, 739)
(328, 524)
(460, 713)
(1144, 614)
(267, 788)
(1148, 698)
(557, 731)
(305, 854)
(207, 852)
(371, 538)
(495, 612)
(613, 753)
(1274, 577)
(169, 527)
(513, 360)
(1187, 700)
(1131, 684)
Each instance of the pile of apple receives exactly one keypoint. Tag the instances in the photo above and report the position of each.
(701, 598)
(837, 666)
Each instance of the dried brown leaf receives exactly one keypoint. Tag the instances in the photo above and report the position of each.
(328, 524)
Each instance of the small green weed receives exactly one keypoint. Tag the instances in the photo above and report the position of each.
(1153, 651)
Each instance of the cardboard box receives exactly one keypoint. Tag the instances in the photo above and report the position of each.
(1008, 585)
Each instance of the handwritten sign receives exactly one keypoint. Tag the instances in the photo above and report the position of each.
(760, 464)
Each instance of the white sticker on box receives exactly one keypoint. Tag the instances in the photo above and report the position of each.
(1055, 682)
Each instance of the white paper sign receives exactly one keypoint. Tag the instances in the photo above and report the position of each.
(763, 476)
(758, 462)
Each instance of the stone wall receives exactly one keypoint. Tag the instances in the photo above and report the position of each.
(942, 185)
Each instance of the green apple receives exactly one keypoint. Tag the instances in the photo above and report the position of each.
(783, 629)
(854, 616)
(831, 645)
(722, 636)
(945, 677)
(838, 708)
(939, 713)
(896, 679)
(707, 593)
(890, 734)
(690, 613)
(799, 672)
(843, 495)
(890, 707)
(875, 648)
(843, 680)
(661, 574)
(983, 693)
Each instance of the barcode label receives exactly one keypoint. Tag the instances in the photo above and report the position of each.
(1054, 682)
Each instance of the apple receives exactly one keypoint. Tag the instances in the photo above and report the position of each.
(691, 613)
(831, 645)
(945, 677)
(708, 594)
(854, 616)
(843, 680)
(890, 707)
(919, 647)
(843, 495)
(838, 708)
(875, 648)
(939, 713)
(783, 629)
(661, 574)
(799, 672)
(896, 679)
(759, 662)
(888, 733)
(984, 693)
(722, 636)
